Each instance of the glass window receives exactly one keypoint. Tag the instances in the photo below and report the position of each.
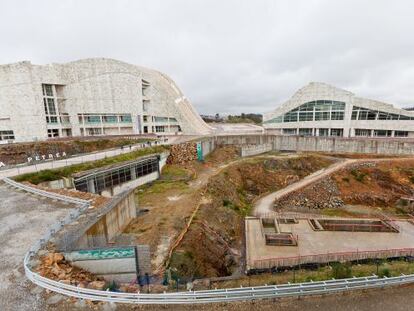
(289, 131)
(372, 115)
(93, 119)
(323, 132)
(337, 132)
(51, 105)
(362, 132)
(290, 117)
(354, 115)
(401, 133)
(363, 114)
(337, 115)
(382, 115)
(110, 119)
(382, 133)
(125, 118)
(306, 132)
(47, 90)
(6, 135)
(305, 116)
(321, 115)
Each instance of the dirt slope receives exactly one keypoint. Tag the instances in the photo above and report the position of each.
(213, 243)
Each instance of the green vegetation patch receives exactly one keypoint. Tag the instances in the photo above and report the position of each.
(176, 172)
(358, 175)
(58, 173)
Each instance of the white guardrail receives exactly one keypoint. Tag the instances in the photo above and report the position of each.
(190, 297)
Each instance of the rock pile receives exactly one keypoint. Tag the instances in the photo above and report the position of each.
(182, 153)
(322, 194)
(54, 266)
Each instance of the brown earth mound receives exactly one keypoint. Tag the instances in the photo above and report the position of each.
(382, 184)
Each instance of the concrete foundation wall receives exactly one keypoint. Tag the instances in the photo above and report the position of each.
(116, 216)
(325, 144)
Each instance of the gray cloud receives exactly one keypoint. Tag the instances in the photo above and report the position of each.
(228, 56)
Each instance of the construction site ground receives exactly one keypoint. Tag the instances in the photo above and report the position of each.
(24, 218)
(190, 198)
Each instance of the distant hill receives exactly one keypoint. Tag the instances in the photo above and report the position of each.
(242, 118)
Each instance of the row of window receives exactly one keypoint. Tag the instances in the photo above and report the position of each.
(159, 119)
(103, 118)
(379, 133)
(314, 132)
(117, 176)
(359, 113)
(319, 110)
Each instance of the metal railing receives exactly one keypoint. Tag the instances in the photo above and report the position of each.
(190, 297)
(268, 263)
(51, 195)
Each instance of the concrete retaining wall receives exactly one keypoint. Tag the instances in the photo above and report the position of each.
(250, 150)
(325, 144)
(208, 145)
(115, 217)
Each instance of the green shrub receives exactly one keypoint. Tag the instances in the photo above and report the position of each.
(358, 175)
(384, 273)
(341, 271)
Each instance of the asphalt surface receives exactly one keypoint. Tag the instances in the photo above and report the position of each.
(24, 218)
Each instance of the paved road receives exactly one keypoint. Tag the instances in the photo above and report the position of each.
(265, 204)
(24, 218)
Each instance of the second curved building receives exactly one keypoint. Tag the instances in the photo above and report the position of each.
(319, 109)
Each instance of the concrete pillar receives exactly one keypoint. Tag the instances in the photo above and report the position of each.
(91, 186)
(133, 173)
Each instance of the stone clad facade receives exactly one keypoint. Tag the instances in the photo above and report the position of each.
(319, 109)
(91, 97)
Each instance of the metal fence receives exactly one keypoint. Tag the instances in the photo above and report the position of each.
(269, 263)
(192, 297)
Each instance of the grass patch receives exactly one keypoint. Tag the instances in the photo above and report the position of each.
(58, 173)
(175, 172)
(358, 175)
(336, 270)
(160, 186)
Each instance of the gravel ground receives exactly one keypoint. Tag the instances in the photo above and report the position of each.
(23, 220)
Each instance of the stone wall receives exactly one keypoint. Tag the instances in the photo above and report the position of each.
(182, 153)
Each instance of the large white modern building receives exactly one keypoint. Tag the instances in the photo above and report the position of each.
(319, 109)
(91, 97)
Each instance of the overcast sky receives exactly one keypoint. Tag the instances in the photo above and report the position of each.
(228, 56)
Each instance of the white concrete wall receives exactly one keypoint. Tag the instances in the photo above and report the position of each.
(250, 150)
